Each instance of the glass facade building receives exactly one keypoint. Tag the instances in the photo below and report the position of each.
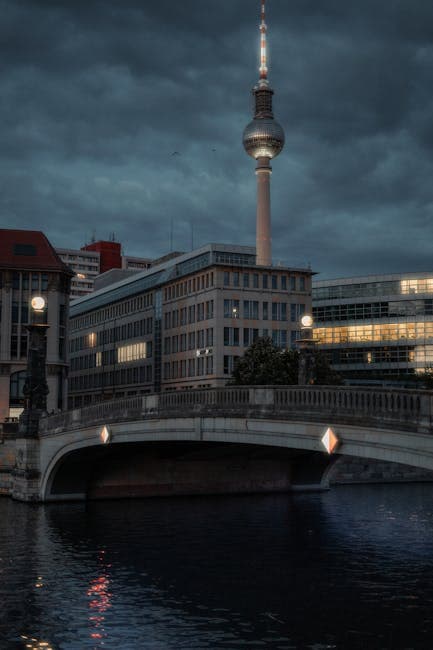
(376, 327)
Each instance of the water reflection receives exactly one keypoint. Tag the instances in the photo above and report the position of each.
(351, 568)
(99, 600)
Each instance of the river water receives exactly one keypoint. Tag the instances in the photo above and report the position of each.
(349, 568)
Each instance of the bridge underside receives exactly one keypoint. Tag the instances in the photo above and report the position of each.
(184, 468)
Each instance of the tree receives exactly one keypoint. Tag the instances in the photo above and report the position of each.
(263, 364)
(325, 375)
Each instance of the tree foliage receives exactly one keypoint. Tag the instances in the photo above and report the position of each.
(263, 364)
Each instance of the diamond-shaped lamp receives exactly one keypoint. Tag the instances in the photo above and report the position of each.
(105, 435)
(330, 441)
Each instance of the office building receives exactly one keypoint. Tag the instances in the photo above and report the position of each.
(181, 324)
(376, 327)
(94, 259)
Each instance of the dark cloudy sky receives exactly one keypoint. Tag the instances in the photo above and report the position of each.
(97, 95)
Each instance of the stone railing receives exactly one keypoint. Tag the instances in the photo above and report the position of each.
(407, 410)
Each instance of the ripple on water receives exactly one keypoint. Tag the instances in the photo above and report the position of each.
(351, 568)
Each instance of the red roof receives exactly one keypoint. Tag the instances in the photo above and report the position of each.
(29, 250)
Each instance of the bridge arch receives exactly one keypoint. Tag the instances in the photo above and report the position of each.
(78, 452)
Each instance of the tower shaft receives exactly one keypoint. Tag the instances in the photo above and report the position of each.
(263, 221)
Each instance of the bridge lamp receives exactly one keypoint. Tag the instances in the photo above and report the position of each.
(105, 435)
(35, 389)
(330, 441)
(306, 322)
(306, 343)
(38, 304)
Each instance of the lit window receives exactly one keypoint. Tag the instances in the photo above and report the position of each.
(132, 352)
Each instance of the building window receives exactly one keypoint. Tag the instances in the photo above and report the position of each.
(265, 281)
(274, 279)
(279, 338)
(17, 381)
(251, 309)
(246, 280)
(230, 362)
(249, 336)
(231, 336)
(226, 279)
(279, 311)
(133, 352)
(255, 280)
(235, 279)
(231, 308)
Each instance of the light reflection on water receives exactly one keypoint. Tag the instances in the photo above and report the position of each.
(350, 568)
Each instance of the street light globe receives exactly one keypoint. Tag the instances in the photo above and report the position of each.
(307, 321)
(38, 303)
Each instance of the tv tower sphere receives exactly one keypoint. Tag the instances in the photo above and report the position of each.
(263, 139)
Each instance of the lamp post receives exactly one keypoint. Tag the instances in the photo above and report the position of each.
(306, 368)
(35, 388)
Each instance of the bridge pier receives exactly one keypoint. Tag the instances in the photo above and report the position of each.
(26, 474)
(311, 472)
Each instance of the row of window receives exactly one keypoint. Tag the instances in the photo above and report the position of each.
(188, 287)
(264, 281)
(113, 379)
(191, 341)
(390, 354)
(282, 338)
(123, 354)
(23, 281)
(254, 310)
(188, 315)
(384, 288)
(130, 306)
(373, 332)
(123, 332)
(194, 367)
(368, 311)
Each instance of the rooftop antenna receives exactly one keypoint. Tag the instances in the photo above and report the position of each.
(263, 53)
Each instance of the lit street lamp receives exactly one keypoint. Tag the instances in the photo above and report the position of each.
(306, 368)
(35, 388)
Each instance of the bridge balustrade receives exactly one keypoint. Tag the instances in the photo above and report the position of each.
(382, 407)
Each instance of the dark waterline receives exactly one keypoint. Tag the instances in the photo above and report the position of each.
(350, 568)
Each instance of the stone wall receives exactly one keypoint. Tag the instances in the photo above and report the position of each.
(348, 470)
(7, 457)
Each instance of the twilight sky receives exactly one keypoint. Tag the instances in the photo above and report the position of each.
(96, 96)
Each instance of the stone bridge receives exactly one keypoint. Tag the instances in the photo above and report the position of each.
(232, 439)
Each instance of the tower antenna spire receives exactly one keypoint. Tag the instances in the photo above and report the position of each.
(263, 47)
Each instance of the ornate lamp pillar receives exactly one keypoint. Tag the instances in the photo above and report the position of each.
(35, 388)
(306, 344)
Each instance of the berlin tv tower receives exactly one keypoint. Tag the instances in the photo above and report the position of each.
(263, 140)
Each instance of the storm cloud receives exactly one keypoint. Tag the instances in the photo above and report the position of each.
(97, 96)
